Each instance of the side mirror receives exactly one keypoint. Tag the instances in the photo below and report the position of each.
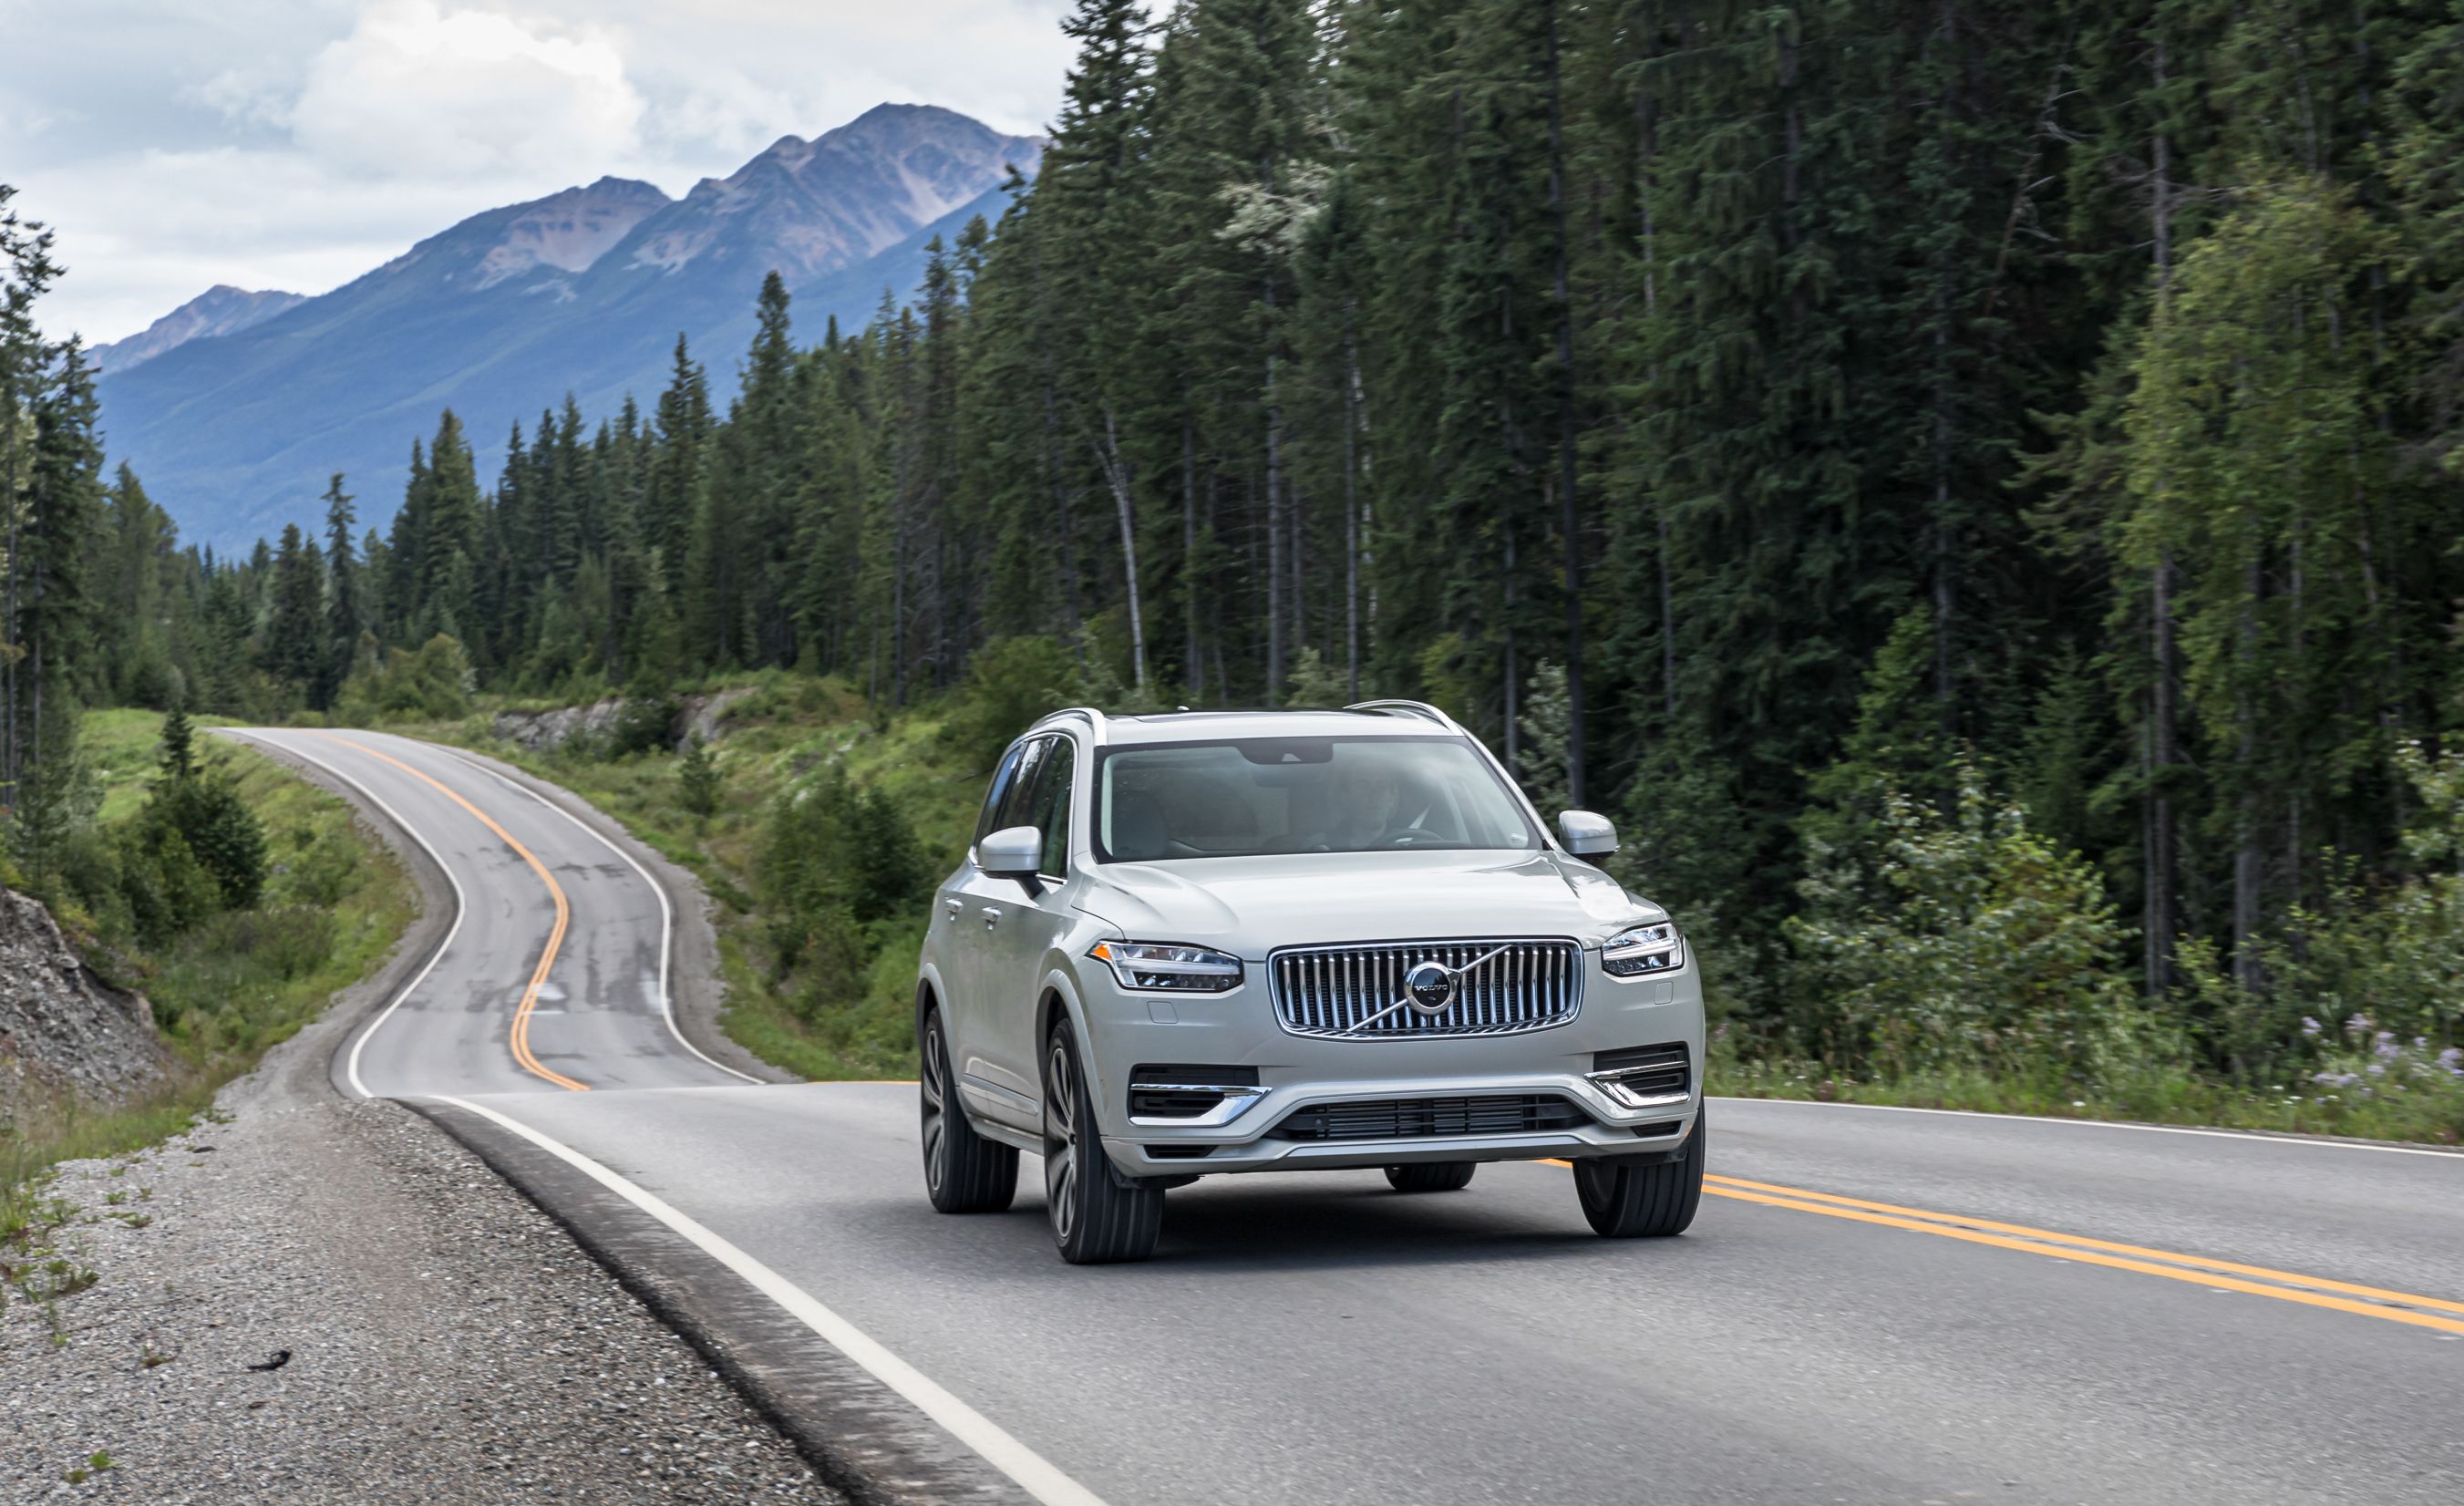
(1587, 833)
(1013, 852)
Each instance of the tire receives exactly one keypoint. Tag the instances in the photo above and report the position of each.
(1098, 1218)
(963, 1172)
(1624, 1200)
(1430, 1176)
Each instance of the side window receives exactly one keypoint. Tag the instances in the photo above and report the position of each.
(1052, 805)
(1004, 778)
(1017, 806)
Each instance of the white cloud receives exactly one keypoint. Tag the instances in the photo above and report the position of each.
(416, 90)
(297, 144)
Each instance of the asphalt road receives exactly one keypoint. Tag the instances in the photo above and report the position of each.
(1874, 1306)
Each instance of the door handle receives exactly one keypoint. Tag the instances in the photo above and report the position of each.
(954, 906)
(992, 916)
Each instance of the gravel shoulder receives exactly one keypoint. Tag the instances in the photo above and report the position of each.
(447, 1342)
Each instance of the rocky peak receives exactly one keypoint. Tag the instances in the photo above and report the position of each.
(220, 310)
(571, 230)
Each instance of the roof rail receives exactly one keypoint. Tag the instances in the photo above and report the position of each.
(1406, 708)
(1094, 718)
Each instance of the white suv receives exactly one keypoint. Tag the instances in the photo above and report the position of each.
(1219, 941)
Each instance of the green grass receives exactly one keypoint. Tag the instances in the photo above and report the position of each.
(2149, 1093)
(334, 903)
(789, 728)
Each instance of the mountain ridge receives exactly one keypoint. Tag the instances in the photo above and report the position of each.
(582, 291)
(220, 310)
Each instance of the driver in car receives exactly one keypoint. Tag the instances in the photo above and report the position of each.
(1365, 799)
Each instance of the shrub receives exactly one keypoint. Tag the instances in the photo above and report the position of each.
(643, 722)
(166, 889)
(206, 809)
(840, 875)
(1010, 683)
(697, 780)
(1962, 942)
(429, 683)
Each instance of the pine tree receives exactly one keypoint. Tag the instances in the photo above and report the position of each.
(345, 613)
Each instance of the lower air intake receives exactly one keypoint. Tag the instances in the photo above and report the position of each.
(1423, 1119)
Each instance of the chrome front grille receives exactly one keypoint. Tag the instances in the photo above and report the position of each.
(1502, 985)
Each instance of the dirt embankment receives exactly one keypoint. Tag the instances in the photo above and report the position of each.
(64, 1032)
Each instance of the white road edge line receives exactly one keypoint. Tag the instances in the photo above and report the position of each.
(667, 911)
(351, 1063)
(2258, 1137)
(1034, 1474)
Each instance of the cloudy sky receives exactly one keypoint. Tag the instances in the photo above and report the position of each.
(295, 144)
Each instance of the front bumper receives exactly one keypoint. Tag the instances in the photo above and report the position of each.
(1295, 1073)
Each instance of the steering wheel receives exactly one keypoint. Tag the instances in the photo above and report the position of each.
(1405, 836)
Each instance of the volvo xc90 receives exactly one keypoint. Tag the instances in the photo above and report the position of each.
(1240, 941)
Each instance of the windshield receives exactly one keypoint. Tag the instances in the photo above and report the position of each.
(1164, 801)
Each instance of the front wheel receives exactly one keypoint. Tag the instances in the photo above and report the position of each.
(963, 1172)
(1430, 1176)
(1626, 1201)
(1098, 1216)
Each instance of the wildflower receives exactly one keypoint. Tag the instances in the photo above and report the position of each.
(2453, 1059)
(2310, 1027)
(2358, 1026)
(2384, 1045)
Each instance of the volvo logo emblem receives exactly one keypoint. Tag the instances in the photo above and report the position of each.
(1431, 986)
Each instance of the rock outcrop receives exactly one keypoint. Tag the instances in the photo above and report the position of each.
(544, 731)
(64, 1032)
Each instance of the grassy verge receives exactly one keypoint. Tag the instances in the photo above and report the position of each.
(2149, 1093)
(785, 731)
(227, 990)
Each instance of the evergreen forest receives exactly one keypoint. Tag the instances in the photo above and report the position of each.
(1974, 489)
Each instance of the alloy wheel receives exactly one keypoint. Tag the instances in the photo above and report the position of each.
(934, 1092)
(1061, 1137)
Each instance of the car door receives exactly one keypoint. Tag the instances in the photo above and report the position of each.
(1033, 926)
(985, 923)
(963, 944)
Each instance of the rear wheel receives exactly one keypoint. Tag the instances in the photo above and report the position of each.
(1624, 1200)
(963, 1172)
(1098, 1215)
(1430, 1176)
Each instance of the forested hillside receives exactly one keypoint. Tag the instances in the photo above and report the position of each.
(1973, 488)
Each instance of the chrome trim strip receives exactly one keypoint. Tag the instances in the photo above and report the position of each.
(1614, 1084)
(1236, 1101)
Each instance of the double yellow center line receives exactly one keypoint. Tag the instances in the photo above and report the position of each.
(522, 1027)
(2229, 1275)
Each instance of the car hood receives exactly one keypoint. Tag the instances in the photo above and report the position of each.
(1251, 905)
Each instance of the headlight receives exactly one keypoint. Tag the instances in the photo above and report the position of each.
(1169, 967)
(1656, 948)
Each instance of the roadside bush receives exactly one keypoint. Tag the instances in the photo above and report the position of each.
(1960, 943)
(643, 722)
(323, 869)
(2389, 957)
(429, 683)
(166, 890)
(1010, 683)
(206, 811)
(840, 877)
(830, 845)
(697, 780)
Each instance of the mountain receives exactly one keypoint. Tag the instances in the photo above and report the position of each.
(581, 292)
(220, 310)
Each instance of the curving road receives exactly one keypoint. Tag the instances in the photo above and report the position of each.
(1874, 1306)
